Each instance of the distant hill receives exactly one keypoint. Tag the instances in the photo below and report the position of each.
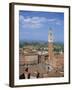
(38, 43)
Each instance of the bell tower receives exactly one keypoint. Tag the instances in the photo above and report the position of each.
(50, 46)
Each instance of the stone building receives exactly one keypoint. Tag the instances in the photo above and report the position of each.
(26, 59)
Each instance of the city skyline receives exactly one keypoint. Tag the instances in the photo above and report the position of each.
(34, 25)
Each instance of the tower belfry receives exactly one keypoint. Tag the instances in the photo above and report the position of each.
(50, 36)
(50, 46)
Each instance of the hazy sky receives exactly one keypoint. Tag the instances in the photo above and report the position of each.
(34, 25)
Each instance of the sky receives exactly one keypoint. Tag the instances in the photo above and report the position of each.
(34, 25)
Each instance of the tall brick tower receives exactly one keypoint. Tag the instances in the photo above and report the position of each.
(50, 46)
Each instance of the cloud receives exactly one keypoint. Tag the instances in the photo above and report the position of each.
(59, 22)
(55, 21)
(52, 20)
(32, 22)
(36, 22)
